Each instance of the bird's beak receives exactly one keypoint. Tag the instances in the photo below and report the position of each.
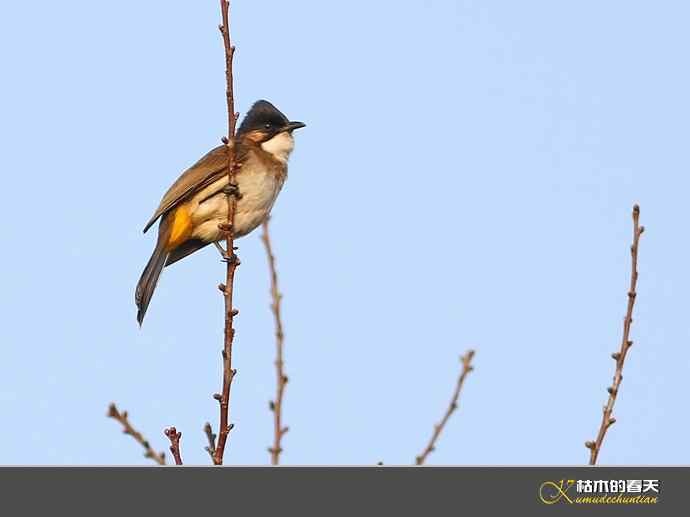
(291, 126)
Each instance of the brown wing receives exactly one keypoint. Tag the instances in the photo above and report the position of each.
(204, 172)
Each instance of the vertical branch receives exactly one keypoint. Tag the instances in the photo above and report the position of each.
(174, 437)
(230, 257)
(127, 428)
(281, 379)
(607, 419)
(438, 428)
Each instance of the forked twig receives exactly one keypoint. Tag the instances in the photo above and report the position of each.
(607, 419)
(174, 437)
(127, 428)
(438, 428)
(281, 379)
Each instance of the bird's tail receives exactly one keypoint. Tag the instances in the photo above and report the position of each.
(149, 279)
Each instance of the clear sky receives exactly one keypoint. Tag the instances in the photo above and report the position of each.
(465, 179)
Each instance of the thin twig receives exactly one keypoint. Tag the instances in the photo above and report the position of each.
(211, 448)
(122, 417)
(281, 379)
(607, 419)
(174, 437)
(438, 428)
(230, 257)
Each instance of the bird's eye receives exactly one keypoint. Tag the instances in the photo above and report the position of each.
(267, 125)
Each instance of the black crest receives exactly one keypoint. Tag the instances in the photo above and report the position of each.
(263, 116)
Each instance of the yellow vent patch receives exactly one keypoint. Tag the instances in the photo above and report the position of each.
(181, 227)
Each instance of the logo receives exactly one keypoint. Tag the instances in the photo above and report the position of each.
(600, 491)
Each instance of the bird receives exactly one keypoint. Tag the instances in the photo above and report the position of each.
(196, 204)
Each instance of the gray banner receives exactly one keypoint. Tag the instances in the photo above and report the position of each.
(344, 490)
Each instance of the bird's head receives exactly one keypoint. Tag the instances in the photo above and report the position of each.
(265, 125)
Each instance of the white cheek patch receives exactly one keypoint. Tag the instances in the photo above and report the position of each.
(280, 146)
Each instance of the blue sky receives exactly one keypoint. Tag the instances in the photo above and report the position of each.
(465, 180)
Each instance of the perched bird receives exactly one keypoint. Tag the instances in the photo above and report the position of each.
(196, 203)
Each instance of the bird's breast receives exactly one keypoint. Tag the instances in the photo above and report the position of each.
(259, 187)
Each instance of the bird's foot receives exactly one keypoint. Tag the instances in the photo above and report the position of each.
(232, 189)
(224, 256)
(220, 248)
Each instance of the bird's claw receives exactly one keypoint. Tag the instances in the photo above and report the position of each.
(232, 189)
(224, 257)
(231, 259)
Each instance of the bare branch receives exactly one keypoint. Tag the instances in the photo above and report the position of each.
(438, 428)
(230, 257)
(281, 379)
(122, 417)
(607, 419)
